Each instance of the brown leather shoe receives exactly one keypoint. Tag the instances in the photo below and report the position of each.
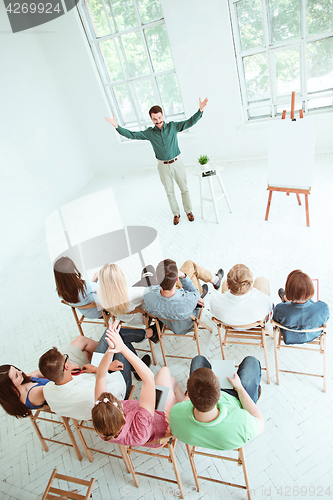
(176, 220)
(190, 216)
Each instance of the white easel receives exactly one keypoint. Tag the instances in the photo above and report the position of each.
(210, 174)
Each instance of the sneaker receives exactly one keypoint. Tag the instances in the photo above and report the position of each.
(204, 290)
(281, 293)
(155, 338)
(176, 220)
(147, 361)
(219, 274)
(190, 216)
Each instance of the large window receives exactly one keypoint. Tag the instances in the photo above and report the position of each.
(131, 47)
(283, 46)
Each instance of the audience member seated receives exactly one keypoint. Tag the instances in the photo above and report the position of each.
(131, 423)
(298, 311)
(219, 420)
(74, 289)
(245, 302)
(21, 393)
(74, 396)
(178, 300)
(119, 299)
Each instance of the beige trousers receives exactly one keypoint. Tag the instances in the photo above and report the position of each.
(170, 172)
(196, 273)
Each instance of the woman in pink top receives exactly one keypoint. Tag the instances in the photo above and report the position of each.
(132, 423)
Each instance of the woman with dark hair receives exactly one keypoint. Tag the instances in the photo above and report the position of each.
(298, 311)
(72, 288)
(21, 393)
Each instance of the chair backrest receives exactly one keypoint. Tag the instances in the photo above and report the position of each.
(256, 324)
(88, 306)
(305, 330)
(53, 493)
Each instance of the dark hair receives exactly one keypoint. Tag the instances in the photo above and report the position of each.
(299, 286)
(10, 395)
(167, 274)
(155, 109)
(68, 280)
(203, 389)
(239, 279)
(108, 417)
(51, 365)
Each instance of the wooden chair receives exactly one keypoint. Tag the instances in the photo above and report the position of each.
(166, 443)
(317, 345)
(252, 334)
(102, 321)
(198, 324)
(83, 424)
(35, 416)
(53, 493)
(240, 461)
(148, 321)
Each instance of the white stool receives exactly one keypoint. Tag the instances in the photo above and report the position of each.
(210, 175)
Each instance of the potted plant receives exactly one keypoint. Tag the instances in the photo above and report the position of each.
(203, 160)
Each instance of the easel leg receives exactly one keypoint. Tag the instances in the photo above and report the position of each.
(268, 204)
(307, 210)
(298, 199)
(224, 191)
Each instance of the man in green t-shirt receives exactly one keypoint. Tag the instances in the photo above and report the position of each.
(163, 138)
(215, 419)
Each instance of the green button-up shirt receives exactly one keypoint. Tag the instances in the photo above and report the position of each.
(164, 141)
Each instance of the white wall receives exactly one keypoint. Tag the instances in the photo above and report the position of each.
(50, 99)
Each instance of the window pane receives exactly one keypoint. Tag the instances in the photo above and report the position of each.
(108, 9)
(285, 19)
(287, 107)
(97, 14)
(159, 48)
(150, 10)
(125, 103)
(144, 96)
(320, 103)
(135, 54)
(261, 112)
(256, 76)
(287, 72)
(112, 61)
(170, 94)
(320, 65)
(319, 16)
(124, 14)
(250, 22)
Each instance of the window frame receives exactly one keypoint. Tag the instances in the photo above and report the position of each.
(270, 50)
(142, 122)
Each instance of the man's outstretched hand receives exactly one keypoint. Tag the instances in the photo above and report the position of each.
(112, 121)
(202, 104)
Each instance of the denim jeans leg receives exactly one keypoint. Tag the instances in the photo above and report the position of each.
(199, 362)
(130, 335)
(249, 371)
(126, 372)
(102, 345)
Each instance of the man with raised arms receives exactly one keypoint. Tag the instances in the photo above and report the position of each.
(163, 138)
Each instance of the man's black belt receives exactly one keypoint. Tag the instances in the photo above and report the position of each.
(170, 161)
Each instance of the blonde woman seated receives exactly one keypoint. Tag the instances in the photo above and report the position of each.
(132, 423)
(119, 299)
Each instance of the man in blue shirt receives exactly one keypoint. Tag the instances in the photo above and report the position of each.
(163, 138)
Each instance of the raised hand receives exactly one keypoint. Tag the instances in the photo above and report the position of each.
(202, 104)
(113, 338)
(112, 121)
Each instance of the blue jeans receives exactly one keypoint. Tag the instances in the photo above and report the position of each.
(128, 335)
(249, 371)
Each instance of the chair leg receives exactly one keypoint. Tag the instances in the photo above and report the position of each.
(241, 456)
(196, 335)
(175, 467)
(77, 321)
(83, 440)
(131, 466)
(325, 360)
(49, 484)
(152, 352)
(71, 437)
(263, 339)
(221, 341)
(194, 470)
(38, 432)
(123, 451)
(276, 357)
(162, 347)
